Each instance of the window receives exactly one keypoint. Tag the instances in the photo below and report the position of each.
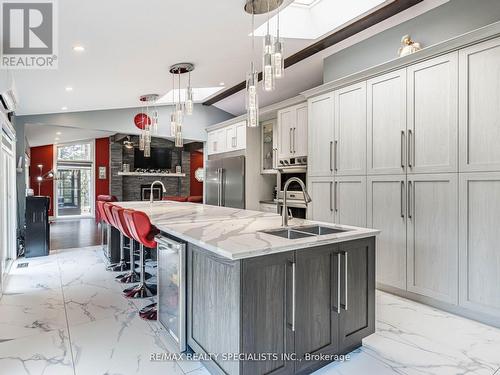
(75, 152)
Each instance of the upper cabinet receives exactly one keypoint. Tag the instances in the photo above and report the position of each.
(320, 158)
(386, 110)
(479, 107)
(349, 146)
(432, 137)
(229, 138)
(292, 132)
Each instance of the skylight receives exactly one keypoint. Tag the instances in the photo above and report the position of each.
(199, 94)
(310, 19)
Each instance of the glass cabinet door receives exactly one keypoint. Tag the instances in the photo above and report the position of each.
(268, 147)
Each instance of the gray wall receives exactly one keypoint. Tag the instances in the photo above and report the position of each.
(444, 22)
(122, 120)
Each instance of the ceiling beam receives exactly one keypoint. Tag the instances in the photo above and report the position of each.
(359, 25)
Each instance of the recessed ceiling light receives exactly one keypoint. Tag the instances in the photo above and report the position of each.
(221, 83)
(69, 88)
(64, 108)
(58, 133)
(199, 94)
(78, 48)
(56, 138)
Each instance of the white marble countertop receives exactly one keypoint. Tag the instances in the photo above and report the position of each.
(235, 233)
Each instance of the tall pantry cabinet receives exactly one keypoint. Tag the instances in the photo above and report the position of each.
(432, 174)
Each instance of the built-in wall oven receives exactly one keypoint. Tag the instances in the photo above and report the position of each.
(172, 288)
(295, 197)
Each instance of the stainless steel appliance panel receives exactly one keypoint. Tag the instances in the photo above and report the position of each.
(171, 273)
(233, 182)
(212, 182)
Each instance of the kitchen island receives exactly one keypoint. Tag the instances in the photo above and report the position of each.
(264, 300)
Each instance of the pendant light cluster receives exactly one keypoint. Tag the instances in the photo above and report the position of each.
(147, 122)
(272, 59)
(180, 108)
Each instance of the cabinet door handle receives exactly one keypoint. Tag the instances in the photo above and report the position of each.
(233, 142)
(403, 149)
(402, 199)
(345, 280)
(338, 283)
(290, 146)
(336, 192)
(294, 139)
(215, 146)
(336, 154)
(410, 160)
(331, 198)
(410, 188)
(331, 156)
(293, 296)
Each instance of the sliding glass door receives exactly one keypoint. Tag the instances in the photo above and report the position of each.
(75, 180)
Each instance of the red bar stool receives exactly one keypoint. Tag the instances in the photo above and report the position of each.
(109, 219)
(102, 221)
(143, 232)
(117, 213)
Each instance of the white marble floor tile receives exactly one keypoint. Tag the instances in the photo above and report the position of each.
(111, 347)
(91, 303)
(41, 354)
(32, 313)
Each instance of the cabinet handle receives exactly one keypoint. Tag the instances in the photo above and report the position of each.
(215, 146)
(336, 192)
(293, 296)
(403, 149)
(331, 193)
(294, 139)
(291, 151)
(336, 154)
(233, 142)
(345, 280)
(401, 198)
(331, 156)
(410, 160)
(410, 188)
(338, 283)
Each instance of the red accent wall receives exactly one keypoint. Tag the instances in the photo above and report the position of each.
(42, 155)
(101, 160)
(196, 188)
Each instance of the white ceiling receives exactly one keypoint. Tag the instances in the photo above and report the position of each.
(60, 134)
(129, 47)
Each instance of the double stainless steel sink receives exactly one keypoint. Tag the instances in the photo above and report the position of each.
(304, 231)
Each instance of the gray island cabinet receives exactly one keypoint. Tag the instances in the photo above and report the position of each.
(290, 312)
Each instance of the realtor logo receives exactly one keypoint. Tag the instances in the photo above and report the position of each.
(28, 34)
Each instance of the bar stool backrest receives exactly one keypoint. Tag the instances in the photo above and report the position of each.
(141, 228)
(107, 213)
(100, 210)
(119, 219)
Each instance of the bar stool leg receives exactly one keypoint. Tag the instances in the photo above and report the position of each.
(142, 290)
(122, 265)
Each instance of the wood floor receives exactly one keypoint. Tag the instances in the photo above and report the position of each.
(66, 234)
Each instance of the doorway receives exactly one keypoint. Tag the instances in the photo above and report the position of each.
(74, 182)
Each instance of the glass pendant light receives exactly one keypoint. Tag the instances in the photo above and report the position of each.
(189, 97)
(279, 59)
(268, 59)
(252, 99)
(173, 121)
(178, 118)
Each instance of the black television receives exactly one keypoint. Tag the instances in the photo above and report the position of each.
(161, 158)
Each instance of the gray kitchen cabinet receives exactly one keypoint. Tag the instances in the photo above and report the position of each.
(479, 115)
(357, 292)
(433, 236)
(432, 139)
(292, 132)
(266, 308)
(387, 212)
(317, 295)
(322, 194)
(349, 148)
(320, 157)
(349, 200)
(479, 242)
(293, 304)
(386, 126)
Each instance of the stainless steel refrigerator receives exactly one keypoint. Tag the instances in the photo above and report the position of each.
(225, 182)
